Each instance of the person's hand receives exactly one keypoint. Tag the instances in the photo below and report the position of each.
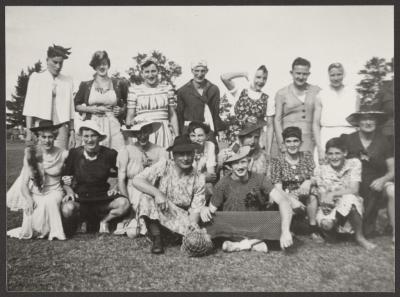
(305, 188)
(286, 239)
(101, 109)
(206, 214)
(377, 184)
(211, 177)
(161, 201)
(67, 180)
(222, 136)
(282, 148)
(70, 196)
(71, 140)
(117, 111)
(30, 206)
(112, 192)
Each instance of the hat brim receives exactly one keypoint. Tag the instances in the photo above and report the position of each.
(191, 147)
(101, 135)
(354, 118)
(136, 129)
(238, 156)
(53, 127)
(249, 130)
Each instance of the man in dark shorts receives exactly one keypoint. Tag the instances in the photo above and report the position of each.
(90, 198)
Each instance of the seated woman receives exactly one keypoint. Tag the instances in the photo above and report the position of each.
(205, 157)
(173, 193)
(246, 191)
(103, 100)
(338, 182)
(133, 159)
(40, 192)
(372, 148)
(291, 175)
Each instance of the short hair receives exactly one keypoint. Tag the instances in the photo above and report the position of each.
(98, 57)
(149, 62)
(301, 62)
(263, 69)
(335, 65)
(195, 125)
(58, 51)
(336, 142)
(292, 131)
(52, 130)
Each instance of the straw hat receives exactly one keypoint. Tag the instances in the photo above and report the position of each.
(354, 118)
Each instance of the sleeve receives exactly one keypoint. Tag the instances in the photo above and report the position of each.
(271, 107)
(355, 174)
(157, 169)
(217, 198)
(132, 99)
(179, 110)
(276, 171)
(80, 95)
(31, 94)
(211, 157)
(199, 199)
(68, 168)
(214, 105)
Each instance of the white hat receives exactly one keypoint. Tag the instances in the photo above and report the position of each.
(92, 125)
(199, 63)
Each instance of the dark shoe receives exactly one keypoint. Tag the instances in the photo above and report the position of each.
(157, 247)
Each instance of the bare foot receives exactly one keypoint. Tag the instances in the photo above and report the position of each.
(365, 243)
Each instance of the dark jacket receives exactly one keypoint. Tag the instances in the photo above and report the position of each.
(120, 88)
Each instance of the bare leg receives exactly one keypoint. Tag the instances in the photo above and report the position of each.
(356, 222)
(312, 207)
(118, 207)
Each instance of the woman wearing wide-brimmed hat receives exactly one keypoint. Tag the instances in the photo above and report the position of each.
(372, 148)
(39, 192)
(133, 159)
(173, 193)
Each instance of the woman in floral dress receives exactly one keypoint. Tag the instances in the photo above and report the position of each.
(153, 101)
(173, 193)
(252, 101)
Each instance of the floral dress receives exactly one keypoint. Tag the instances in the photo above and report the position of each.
(246, 106)
(185, 194)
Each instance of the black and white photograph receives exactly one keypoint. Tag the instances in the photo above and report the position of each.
(235, 148)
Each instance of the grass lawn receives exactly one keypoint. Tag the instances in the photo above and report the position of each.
(90, 262)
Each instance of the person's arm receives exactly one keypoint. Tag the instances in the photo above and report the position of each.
(26, 193)
(285, 211)
(227, 78)
(316, 126)
(270, 134)
(173, 120)
(122, 164)
(131, 107)
(28, 129)
(216, 201)
(198, 201)
(378, 184)
(278, 121)
(180, 108)
(214, 105)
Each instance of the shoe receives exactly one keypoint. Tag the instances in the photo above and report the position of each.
(121, 229)
(316, 237)
(157, 247)
(260, 247)
(229, 246)
(104, 228)
(132, 229)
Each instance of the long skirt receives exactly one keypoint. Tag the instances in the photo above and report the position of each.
(110, 125)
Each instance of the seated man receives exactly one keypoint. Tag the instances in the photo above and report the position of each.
(243, 190)
(90, 197)
(338, 182)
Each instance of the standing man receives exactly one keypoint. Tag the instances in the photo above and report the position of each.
(49, 97)
(198, 100)
(294, 105)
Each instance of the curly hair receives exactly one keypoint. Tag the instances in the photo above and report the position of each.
(58, 51)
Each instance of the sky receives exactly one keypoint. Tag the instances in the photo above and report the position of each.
(230, 38)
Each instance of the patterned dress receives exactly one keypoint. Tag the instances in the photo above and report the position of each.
(185, 194)
(152, 104)
(246, 106)
(46, 217)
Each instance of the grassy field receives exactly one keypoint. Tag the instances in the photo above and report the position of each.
(90, 262)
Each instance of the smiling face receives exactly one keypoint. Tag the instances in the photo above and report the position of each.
(102, 68)
(55, 65)
(336, 157)
(292, 145)
(150, 75)
(336, 76)
(143, 135)
(260, 79)
(198, 136)
(300, 74)
(184, 160)
(46, 139)
(199, 73)
(367, 123)
(252, 140)
(240, 168)
(91, 141)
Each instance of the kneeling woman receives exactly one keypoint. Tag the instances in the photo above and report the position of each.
(338, 183)
(173, 193)
(40, 187)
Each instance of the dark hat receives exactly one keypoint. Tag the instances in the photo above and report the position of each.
(251, 124)
(182, 143)
(137, 126)
(195, 124)
(291, 132)
(45, 125)
(354, 118)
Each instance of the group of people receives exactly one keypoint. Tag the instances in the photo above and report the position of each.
(149, 158)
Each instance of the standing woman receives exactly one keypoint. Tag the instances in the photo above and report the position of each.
(153, 101)
(49, 96)
(40, 192)
(334, 102)
(252, 101)
(103, 99)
